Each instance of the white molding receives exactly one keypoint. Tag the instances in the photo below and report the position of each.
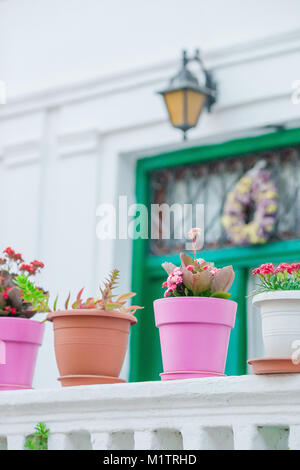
(154, 74)
(85, 141)
(257, 49)
(82, 142)
(22, 153)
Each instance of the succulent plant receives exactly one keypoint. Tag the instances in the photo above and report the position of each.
(106, 301)
(196, 277)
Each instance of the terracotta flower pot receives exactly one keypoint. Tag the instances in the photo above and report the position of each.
(90, 343)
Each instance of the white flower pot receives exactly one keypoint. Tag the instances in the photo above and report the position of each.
(280, 311)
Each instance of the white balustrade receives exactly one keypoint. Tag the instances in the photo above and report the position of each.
(248, 412)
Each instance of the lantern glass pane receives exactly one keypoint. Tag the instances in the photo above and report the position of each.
(175, 105)
(194, 105)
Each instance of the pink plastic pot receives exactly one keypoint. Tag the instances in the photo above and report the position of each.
(19, 342)
(194, 335)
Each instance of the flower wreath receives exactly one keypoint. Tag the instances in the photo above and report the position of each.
(257, 189)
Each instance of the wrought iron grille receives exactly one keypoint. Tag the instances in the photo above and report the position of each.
(208, 183)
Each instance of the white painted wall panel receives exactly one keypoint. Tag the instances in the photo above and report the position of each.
(19, 191)
(73, 237)
(53, 41)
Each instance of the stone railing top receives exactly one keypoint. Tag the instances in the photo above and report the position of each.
(207, 392)
(209, 403)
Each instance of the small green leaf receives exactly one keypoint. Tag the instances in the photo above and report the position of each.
(55, 303)
(67, 301)
(38, 440)
(31, 294)
(221, 295)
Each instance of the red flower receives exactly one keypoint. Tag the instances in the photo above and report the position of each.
(27, 267)
(9, 252)
(284, 267)
(18, 257)
(5, 293)
(264, 269)
(37, 264)
(11, 310)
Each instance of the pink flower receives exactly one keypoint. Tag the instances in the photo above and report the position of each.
(190, 267)
(264, 269)
(284, 267)
(295, 267)
(210, 269)
(214, 271)
(255, 271)
(267, 268)
(194, 234)
(174, 278)
(168, 291)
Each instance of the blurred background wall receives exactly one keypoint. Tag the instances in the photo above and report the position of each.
(81, 77)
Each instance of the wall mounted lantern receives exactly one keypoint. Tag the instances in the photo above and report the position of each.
(185, 98)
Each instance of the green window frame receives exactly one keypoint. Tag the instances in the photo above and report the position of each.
(147, 274)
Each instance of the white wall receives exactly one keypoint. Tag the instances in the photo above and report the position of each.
(46, 42)
(81, 79)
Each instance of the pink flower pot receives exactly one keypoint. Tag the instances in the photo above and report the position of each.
(194, 335)
(19, 342)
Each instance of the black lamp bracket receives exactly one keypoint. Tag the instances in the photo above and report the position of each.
(210, 83)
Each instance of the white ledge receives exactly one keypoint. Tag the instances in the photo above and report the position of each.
(240, 405)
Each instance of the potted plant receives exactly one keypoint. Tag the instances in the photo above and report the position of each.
(195, 317)
(91, 338)
(20, 337)
(278, 296)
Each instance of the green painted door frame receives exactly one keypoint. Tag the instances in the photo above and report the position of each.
(147, 274)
